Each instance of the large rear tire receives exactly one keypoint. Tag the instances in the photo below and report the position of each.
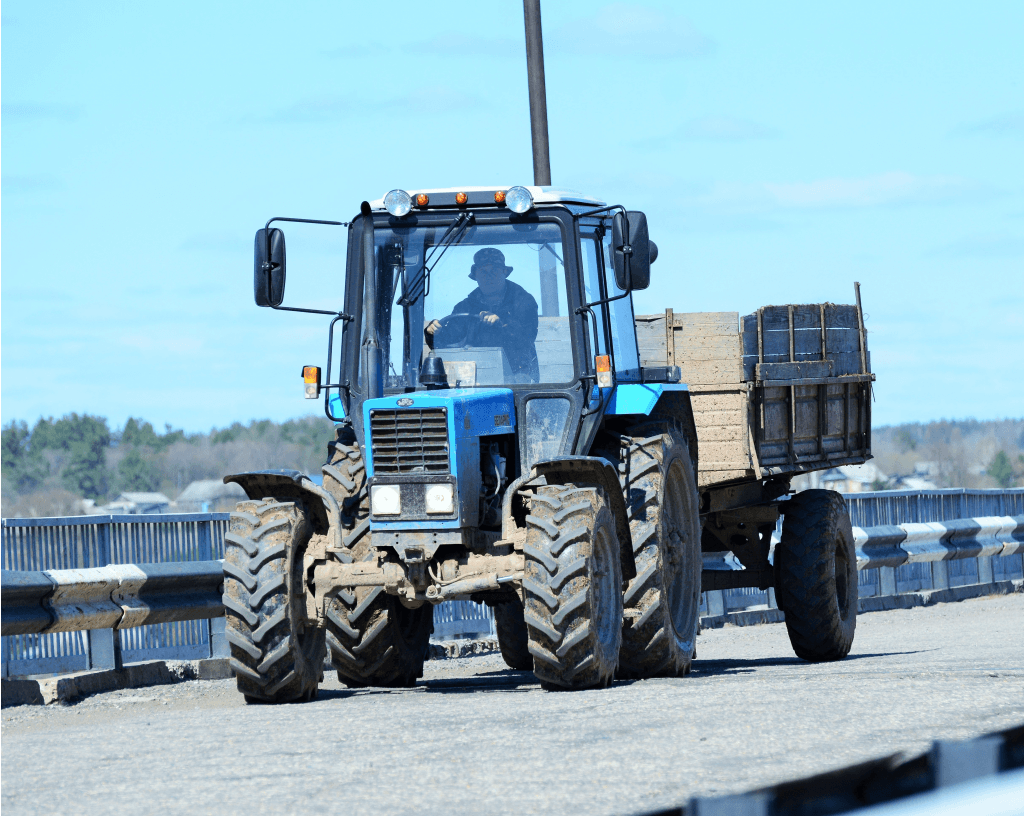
(816, 575)
(573, 583)
(661, 605)
(276, 656)
(513, 637)
(373, 639)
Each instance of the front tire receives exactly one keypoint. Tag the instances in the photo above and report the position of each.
(816, 575)
(573, 583)
(276, 656)
(661, 605)
(373, 639)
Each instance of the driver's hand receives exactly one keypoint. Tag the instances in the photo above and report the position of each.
(432, 327)
(488, 317)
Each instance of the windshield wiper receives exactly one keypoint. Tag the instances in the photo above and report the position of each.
(420, 285)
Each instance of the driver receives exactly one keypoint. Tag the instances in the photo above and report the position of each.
(508, 315)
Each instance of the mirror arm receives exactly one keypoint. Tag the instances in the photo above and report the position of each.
(269, 264)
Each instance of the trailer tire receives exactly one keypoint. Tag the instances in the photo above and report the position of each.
(276, 656)
(816, 575)
(513, 638)
(573, 583)
(661, 605)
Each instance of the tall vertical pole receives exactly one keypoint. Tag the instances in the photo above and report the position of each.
(538, 96)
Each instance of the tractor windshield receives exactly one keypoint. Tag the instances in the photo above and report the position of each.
(488, 299)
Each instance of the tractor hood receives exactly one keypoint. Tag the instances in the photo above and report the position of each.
(468, 412)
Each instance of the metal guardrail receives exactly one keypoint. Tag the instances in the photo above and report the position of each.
(67, 606)
(137, 558)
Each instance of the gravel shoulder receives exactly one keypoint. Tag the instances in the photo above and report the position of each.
(475, 737)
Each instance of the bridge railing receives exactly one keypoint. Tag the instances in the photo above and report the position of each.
(57, 545)
(881, 508)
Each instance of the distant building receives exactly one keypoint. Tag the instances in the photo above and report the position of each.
(853, 478)
(913, 483)
(209, 496)
(131, 503)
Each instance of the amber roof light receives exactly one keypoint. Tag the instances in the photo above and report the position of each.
(461, 198)
(422, 200)
(499, 197)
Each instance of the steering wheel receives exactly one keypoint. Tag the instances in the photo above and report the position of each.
(455, 330)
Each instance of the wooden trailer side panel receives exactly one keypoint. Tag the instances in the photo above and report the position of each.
(706, 347)
(784, 391)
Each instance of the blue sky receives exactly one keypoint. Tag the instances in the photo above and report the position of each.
(781, 152)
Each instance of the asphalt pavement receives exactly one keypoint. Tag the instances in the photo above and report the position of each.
(474, 737)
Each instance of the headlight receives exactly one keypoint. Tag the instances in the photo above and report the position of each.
(440, 498)
(519, 200)
(398, 202)
(385, 500)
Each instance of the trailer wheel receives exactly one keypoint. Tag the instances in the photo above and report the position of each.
(276, 656)
(662, 604)
(816, 575)
(573, 583)
(513, 638)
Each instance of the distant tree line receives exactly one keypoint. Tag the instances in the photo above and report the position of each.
(49, 468)
(954, 453)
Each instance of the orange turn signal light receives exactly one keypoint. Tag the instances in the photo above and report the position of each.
(422, 200)
(311, 381)
(461, 198)
(499, 197)
(603, 364)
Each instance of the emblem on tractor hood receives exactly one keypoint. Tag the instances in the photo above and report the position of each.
(405, 402)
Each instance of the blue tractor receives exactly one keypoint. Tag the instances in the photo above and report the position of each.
(499, 439)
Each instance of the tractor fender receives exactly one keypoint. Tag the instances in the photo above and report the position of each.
(664, 401)
(595, 471)
(294, 484)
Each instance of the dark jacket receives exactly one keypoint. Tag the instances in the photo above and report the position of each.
(516, 329)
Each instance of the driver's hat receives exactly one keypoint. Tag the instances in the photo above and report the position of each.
(489, 256)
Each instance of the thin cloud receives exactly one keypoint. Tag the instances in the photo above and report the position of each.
(438, 99)
(14, 184)
(1007, 124)
(992, 245)
(457, 44)
(873, 191)
(358, 50)
(723, 129)
(34, 111)
(628, 30)
(712, 129)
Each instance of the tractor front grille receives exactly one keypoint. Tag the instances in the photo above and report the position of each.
(412, 440)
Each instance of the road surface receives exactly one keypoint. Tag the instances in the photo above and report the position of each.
(474, 737)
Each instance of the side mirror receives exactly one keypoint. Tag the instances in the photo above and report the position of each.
(632, 251)
(269, 267)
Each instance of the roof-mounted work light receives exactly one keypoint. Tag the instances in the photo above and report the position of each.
(398, 202)
(519, 200)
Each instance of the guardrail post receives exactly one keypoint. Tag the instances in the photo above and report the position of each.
(716, 602)
(772, 603)
(886, 581)
(205, 540)
(986, 574)
(103, 647)
(218, 640)
(940, 575)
